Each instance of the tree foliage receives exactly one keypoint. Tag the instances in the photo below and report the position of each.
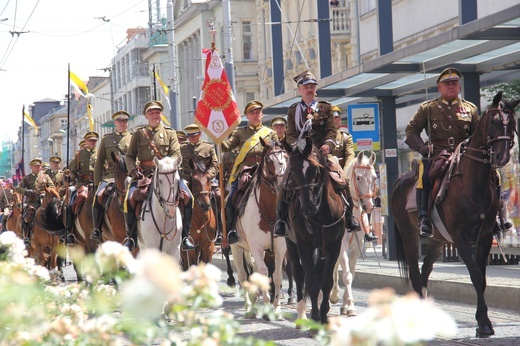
(511, 90)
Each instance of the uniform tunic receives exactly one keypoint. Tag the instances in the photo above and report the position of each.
(442, 133)
(322, 131)
(165, 141)
(344, 149)
(34, 182)
(110, 143)
(240, 136)
(201, 151)
(58, 179)
(82, 167)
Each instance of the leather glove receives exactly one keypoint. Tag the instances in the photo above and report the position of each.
(31, 193)
(415, 142)
(135, 174)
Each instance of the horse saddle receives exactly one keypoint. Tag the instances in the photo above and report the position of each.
(81, 196)
(106, 191)
(244, 178)
(339, 180)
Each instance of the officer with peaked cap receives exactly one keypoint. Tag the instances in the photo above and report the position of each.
(115, 143)
(279, 125)
(452, 120)
(198, 150)
(181, 136)
(31, 186)
(162, 141)
(56, 174)
(247, 140)
(314, 119)
(81, 174)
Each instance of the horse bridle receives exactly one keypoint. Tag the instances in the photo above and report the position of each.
(268, 178)
(172, 199)
(360, 197)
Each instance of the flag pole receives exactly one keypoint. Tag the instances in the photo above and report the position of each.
(23, 138)
(68, 115)
(154, 83)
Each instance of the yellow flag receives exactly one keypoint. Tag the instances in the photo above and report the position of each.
(89, 114)
(83, 88)
(163, 118)
(30, 121)
(163, 86)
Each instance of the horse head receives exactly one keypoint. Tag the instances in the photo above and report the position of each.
(306, 164)
(120, 173)
(166, 184)
(499, 128)
(364, 180)
(201, 184)
(274, 162)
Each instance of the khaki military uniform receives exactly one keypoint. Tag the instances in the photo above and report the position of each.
(240, 136)
(450, 124)
(323, 130)
(82, 167)
(34, 182)
(343, 149)
(199, 152)
(6, 198)
(58, 179)
(110, 143)
(165, 141)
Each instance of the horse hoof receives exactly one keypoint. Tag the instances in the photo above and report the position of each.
(352, 313)
(231, 282)
(333, 300)
(343, 311)
(290, 301)
(250, 316)
(485, 331)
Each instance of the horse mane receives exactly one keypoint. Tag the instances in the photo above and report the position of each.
(52, 220)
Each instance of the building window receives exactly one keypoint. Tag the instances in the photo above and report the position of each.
(63, 124)
(250, 96)
(366, 6)
(247, 40)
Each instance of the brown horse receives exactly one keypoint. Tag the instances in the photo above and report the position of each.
(44, 244)
(316, 220)
(12, 223)
(467, 213)
(203, 228)
(114, 220)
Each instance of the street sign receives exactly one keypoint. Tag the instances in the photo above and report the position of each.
(363, 124)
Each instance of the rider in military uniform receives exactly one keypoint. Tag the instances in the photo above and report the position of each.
(82, 174)
(247, 141)
(181, 136)
(6, 201)
(56, 174)
(31, 186)
(344, 151)
(204, 152)
(116, 142)
(279, 125)
(147, 142)
(313, 119)
(448, 120)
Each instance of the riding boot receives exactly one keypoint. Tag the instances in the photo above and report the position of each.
(131, 231)
(25, 232)
(218, 239)
(352, 223)
(97, 215)
(281, 215)
(425, 229)
(186, 224)
(215, 206)
(4, 223)
(370, 237)
(232, 235)
(69, 237)
(502, 223)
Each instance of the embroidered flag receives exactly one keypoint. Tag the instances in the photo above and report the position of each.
(29, 120)
(217, 112)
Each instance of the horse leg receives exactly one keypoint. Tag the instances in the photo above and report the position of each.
(231, 279)
(289, 272)
(279, 256)
(346, 258)
(249, 297)
(333, 250)
(477, 271)
(342, 260)
(312, 282)
(299, 277)
(261, 268)
(434, 252)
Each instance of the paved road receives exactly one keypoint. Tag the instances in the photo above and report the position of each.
(506, 322)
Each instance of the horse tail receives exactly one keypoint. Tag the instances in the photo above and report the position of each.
(401, 256)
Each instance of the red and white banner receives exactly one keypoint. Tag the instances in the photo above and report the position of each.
(217, 112)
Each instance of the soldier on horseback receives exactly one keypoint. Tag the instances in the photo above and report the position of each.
(247, 140)
(448, 120)
(314, 119)
(81, 172)
(146, 143)
(6, 201)
(200, 151)
(116, 142)
(31, 186)
(56, 174)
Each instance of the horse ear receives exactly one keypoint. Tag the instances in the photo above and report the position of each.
(262, 141)
(308, 147)
(360, 156)
(287, 147)
(514, 104)
(177, 161)
(497, 98)
(156, 161)
(372, 158)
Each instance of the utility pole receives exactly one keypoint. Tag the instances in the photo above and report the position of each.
(174, 111)
(228, 44)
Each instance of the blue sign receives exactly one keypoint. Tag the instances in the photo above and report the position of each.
(363, 125)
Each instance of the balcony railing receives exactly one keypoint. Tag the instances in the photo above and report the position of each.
(340, 24)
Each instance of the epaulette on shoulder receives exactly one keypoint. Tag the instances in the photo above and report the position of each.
(427, 102)
(106, 134)
(294, 105)
(326, 102)
(140, 127)
(169, 128)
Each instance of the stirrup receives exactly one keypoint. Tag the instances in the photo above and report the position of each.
(279, 234)
(190, 246)
(430, 226)
(96, 235)
(129, 242)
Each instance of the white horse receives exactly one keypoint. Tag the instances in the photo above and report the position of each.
(160, 221)
(362, 182)
(255, 226)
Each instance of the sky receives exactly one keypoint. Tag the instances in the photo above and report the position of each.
(33, 65)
